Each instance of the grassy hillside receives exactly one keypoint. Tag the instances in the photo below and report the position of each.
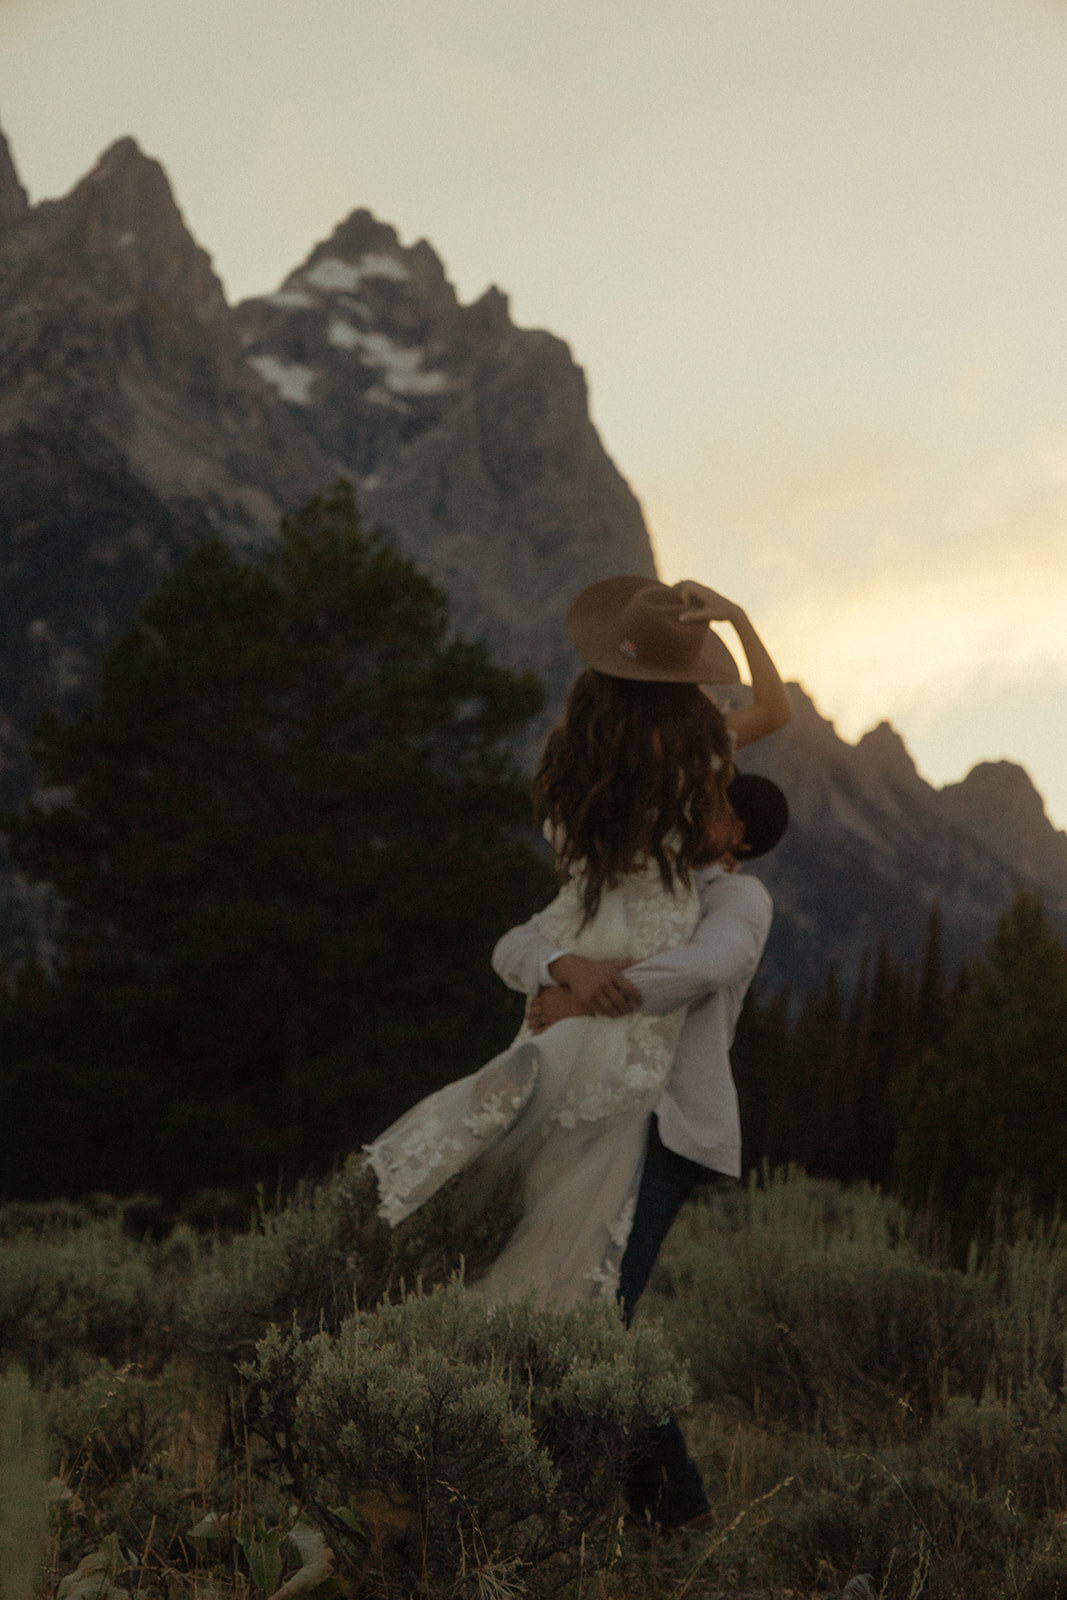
(859, 1405)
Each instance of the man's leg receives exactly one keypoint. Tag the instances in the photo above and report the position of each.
(667, 1182)
(662, 1482)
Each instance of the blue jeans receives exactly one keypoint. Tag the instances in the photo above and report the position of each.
(662, 1481)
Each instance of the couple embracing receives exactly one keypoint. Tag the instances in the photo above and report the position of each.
(616, 1098)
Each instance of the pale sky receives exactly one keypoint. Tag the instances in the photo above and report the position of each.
(812, 255)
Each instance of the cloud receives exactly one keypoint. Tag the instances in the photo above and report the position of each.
(915, 643)
(896, 576)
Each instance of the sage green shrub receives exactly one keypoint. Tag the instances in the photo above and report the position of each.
(325, 1252)
(1028, 1274)
(807, 1307)
(75, 1288)
(433, 1439)
(919, 1533)
(1014, 1449)
(78, 1287)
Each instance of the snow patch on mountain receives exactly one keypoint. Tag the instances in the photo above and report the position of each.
(292, 379)
(380, 396)
(331, 274)
(290, 300)
(344, 336)
(400, 365)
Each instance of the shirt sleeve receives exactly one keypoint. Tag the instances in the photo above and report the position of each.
(521, 958)
(725, 948)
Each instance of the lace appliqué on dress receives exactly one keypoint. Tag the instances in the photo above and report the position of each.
(644, 919)
(605, 1277)
(448, 1130)
(405, 1168)
(501, 1091)
(569, 1110)
(642, 1071)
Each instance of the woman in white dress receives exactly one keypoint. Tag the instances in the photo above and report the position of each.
(633, 784)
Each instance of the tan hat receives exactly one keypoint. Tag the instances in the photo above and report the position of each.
(629, 628)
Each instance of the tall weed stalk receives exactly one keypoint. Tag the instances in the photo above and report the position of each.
(23, 1471)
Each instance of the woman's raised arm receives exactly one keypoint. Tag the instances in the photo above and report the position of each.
(770, 708)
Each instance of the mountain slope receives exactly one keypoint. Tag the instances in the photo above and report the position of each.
(469, 437)
(872, 847)
(130, 425)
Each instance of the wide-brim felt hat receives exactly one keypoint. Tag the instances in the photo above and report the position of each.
(628, 627)
(761, 806)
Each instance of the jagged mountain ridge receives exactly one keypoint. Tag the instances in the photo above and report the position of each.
(139, 413)
(126, 379)
(468, 436)
(130, 423)
(872, 847)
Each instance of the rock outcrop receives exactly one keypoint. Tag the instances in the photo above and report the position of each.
(997, 804)
(14, 202)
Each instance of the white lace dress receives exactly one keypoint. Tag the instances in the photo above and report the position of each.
(570, 1108)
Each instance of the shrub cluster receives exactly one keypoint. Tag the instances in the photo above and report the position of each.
(814, 1311)
(907, 1416)
(79, 1285)
(428, 1441)
(864, 1405)
(492, 1442)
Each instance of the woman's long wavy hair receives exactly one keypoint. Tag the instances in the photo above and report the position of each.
(635, 772)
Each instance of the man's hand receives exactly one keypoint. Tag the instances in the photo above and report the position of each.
(553, 1005)
(599, 985)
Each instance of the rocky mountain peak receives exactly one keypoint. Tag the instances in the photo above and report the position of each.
(139, 413)
(460, 431)
(1002, 787)
(872, 847)
(113, 322)
(365, 256)
(884, 753)
(489, 317)
(14, 202)
(808, 717)
(130, 425)
(123, 226)
(997, 804)
(102, 291)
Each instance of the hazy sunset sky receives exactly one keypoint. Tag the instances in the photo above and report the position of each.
(812, 255)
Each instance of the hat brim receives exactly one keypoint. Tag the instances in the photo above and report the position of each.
(594, 628)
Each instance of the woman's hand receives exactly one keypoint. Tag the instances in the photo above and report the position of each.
(704, 604)
(771, 707)
(553, 1005)
(599, 986)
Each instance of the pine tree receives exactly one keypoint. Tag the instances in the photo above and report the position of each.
(809, 1120)
(987, 1107)
(932, 1001)
(758, 1057)
(885, 1048)
(288, 833)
